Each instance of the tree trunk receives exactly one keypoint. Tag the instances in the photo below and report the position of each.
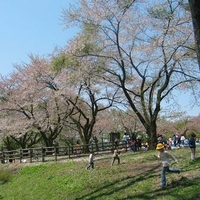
(152, 136)
(195, 12)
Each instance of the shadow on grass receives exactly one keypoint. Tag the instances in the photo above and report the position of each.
(172, 190)
(191, 165)
(197, 158)
(111, 188)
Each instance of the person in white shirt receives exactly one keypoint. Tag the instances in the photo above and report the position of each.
(91, 161)
(126, 139)
(182, 139)
(167, 159)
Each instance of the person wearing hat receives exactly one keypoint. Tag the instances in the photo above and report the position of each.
(192, 145)
(167, 159)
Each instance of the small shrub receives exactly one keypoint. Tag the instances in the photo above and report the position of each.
(5, 176)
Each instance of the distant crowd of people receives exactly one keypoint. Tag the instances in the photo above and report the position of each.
(177, 140)
(133, 143)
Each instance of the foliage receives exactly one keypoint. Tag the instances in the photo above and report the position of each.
(61, 61)
(159, 12)
(5, 176)
(137, 177)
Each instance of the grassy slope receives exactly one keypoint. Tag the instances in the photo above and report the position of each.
(137, 177)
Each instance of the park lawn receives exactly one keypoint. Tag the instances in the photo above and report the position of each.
(137, 177)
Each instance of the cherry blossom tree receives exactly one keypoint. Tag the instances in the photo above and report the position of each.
(29, 104)
(89, 95)
(143, 48)
(14, 127)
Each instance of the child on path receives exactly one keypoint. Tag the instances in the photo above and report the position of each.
(115, 157)
(91, 161)
(167, 160)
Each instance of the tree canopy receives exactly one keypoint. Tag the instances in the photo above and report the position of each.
(143, 49)
(127, 60)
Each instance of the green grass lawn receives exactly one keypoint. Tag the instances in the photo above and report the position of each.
(137, 177)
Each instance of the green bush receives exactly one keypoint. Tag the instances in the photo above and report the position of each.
(5, 176)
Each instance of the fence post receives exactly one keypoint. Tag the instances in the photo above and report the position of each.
(20, 155)
(3, 157)
(31, 155)
(69, 151)
(43, 154)
(55, 150)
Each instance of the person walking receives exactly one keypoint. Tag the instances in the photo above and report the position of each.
(167, 159)
(115, 157)
(91, 161)
(192, 145)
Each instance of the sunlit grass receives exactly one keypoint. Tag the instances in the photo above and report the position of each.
(137, 177)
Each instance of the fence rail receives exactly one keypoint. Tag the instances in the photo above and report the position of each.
(43, 154)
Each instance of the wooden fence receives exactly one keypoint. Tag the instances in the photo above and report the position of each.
(43, 154)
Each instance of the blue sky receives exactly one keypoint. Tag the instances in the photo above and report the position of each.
(35, 26)
(30, 26)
